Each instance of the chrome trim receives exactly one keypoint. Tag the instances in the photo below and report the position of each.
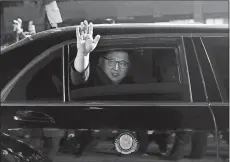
(124, 104)
(63, 74)
(118, 143)
(221, 96)
(115, 103)
(25, 115)
(38, 121)
(219, 104)
(164, 27)
(178, 65)
(207, 99)
(187, 70)
(68, 74)
(93, 108)
(20, 119)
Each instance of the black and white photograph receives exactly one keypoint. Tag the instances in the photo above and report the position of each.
(114, 81)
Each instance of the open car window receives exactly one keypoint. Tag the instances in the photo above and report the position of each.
(156, 75)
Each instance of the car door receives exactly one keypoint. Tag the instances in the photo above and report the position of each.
(168, 93)
(214, 54)
(27, 111)
(209, 143)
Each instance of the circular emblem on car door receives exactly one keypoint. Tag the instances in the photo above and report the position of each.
(126, 143)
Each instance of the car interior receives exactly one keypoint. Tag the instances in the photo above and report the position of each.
(42, 82)
(155, 72)
(47, 83)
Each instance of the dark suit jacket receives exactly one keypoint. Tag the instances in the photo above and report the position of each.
(95, 77)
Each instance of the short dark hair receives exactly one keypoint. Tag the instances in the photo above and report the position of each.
(129, 52)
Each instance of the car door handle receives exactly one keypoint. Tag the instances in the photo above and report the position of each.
(93, 108)
(33, 116)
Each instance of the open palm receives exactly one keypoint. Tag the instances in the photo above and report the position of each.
(85, 41)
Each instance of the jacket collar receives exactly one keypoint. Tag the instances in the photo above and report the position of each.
(102, 78)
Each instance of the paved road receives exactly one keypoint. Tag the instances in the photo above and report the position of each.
(105, 158)
(95, 159)
(110, 156)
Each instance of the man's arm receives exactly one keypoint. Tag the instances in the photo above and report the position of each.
(85, 44)
(77, 77)
(79, 71)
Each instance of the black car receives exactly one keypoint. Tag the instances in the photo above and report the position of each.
(181, 84)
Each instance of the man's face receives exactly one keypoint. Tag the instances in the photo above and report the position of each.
(115, 65)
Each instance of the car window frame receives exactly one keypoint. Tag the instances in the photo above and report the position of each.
(38, 59)
(64, 44)
(214, 69)
(179, 51)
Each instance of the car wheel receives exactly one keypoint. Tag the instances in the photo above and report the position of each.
(226, 136)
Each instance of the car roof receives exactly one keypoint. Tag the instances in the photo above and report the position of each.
(126, 28)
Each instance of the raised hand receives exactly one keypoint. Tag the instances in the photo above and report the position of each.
(85, 41)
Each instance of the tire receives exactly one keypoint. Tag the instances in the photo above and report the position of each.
(226, 137)
(182, 139)
(199, 145)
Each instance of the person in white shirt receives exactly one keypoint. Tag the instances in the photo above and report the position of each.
(31, 28)
(53, 13)
(19, 32)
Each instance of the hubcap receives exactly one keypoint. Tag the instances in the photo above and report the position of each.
(126, 143)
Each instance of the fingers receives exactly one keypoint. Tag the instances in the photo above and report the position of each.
(96, 40)
(86, 28)
(85, 31)
(81, 28)
(91, 29)
(78, 33)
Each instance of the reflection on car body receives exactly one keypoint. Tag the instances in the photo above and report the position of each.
(180, 85)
